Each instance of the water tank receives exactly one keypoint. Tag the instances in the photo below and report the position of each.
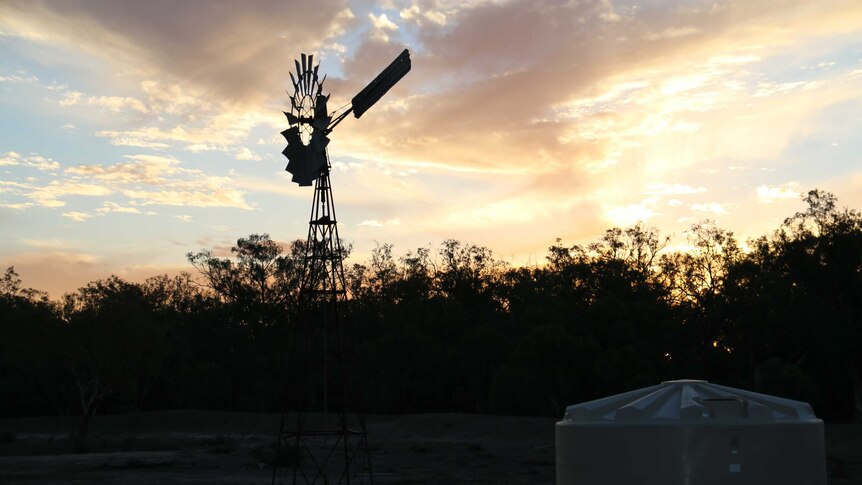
(690, 432)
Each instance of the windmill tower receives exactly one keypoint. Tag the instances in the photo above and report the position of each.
(322, 438)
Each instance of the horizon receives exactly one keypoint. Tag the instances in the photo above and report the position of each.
(138, 133)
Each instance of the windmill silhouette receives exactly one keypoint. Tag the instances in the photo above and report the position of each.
(322, 438)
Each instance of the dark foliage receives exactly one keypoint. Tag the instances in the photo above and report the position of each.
(458, 330)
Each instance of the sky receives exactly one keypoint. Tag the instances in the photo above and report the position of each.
(135, 132)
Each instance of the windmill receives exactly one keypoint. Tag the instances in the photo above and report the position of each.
(314, 444)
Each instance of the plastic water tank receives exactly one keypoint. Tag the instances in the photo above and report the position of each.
(690, 432)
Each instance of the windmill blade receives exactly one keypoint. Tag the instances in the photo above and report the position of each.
(293, 80)
(305, 73)
(320, 85)
(381, 84)
(298, 73)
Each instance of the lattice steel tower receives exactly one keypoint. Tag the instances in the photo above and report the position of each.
(323, 438)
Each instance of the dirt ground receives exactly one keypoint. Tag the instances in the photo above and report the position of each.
(197, 447)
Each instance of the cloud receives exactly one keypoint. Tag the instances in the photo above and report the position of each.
(768, 194)
(17, 206)
(19, 78)
(36, 161)
(142, 169)
(245, 154)
(492, 91)
(108, 207)
(77, 216)
(210, 193)
(41, 163)
(382, 22)
(713, 208)
(119, 139)
(112, 103)
(145, 179)
(215, 47)
(416, 15)
(159, 180)
(377, 223)
(382, 27)
(410, 13)
(49, 195)
(487, 85)
(10, 159)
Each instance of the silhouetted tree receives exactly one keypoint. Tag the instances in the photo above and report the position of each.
(113, 346)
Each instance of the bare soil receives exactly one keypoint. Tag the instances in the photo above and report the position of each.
(197, 447)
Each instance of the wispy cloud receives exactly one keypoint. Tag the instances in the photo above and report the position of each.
(108, 207)
(376, 223)
(50, 195)
(36, 161)
(77, 216)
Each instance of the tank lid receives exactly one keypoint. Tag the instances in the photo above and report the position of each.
(689, 401)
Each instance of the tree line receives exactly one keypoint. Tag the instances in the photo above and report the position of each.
(455, 329)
